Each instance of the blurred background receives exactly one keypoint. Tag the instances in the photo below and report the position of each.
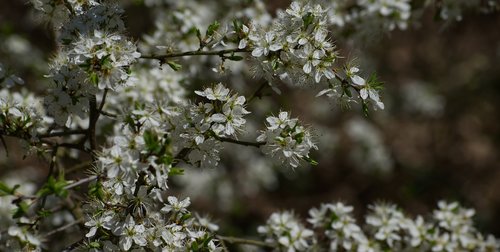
(438, 137)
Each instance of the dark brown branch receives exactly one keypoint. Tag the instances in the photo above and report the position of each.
(108, 114)
(63, 133)
(220, 53)
(75, 146)
(91, 134)
(62, 228)
(244, 143)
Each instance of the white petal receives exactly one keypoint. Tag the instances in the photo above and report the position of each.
(125, 243)
(307, 67)
(363, 93)
(242, 44)
(324, 91)
(257, 52)
(220, 118)
(358, 80)
(91, 232)
(275, 47)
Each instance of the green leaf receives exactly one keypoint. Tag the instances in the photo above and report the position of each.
(176, 67)
(194, 246)
(186, 217)
(6, 190)
(95, 244)
(310, 160)
(152, 142)
(212, 28)
(308, 19)
(94, 79)
(21, 210)
(44, 213)
(347, 91)
(238, 25)
(275, 63)
(54, 186)
(175, 171)
(166, 159)
(96, 191)
(374, 83)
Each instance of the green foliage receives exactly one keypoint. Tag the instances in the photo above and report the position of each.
(212, 28)
(6, 190)
(175, 66)
(21, 210)
(55, 187)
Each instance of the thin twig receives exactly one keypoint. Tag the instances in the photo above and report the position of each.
(103, 100)
(91, 134)
(81, 182)
(65, 145)
(194, 53)
(236, 240)
(108, 114)
(245, 143)
(52, 165)
(62, 228)
(64, 133)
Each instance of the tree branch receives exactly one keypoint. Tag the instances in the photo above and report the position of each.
(64, 133)
(93, 116)
(81, 182)
(62, 228)
(108, 114)
(220, 53)
(244, 143)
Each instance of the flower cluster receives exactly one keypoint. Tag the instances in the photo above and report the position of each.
(22, 239)
(95, 16)
(131, 207)
(94, 56)
(105, 57)
(287, 140)
(21, 115)
(285, 231)
(387, 228)
(199, 127)
(18, 237)
(393, 13)
(228, 110)
(69, 93)
(453, 9)
(350, 81)
(296, 47)
(148, 222)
